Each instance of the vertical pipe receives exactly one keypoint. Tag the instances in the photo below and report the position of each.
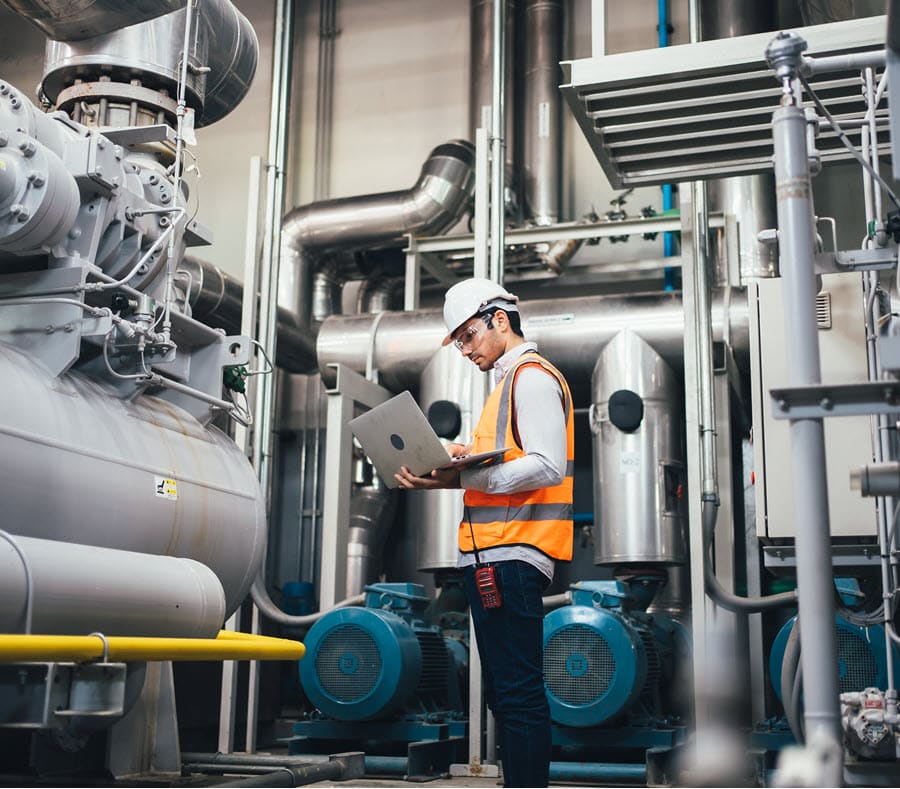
(498, 119)
(749, 198)
(662, 26)
(541, 126)
(814, 573)
(481, 52)
(282, 62)
(324, 101)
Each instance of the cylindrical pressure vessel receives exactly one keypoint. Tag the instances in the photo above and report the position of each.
(77, 589)
(449, 380)
(636, 421)
(79, 464)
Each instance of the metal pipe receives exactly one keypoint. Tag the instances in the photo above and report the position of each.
(498, 119)
(541, 127)
(19, 648)
(67, 21)
(814, 574)
(432, 205)
(225, 42)
(282, 58)
(271, 611)
(578, 772)
(324, 79)
(83, 587)
(571, 332)
(481, 75)
(276, 770)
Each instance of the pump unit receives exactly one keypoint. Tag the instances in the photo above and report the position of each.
(604, 657)
(383, 659)
(862, 661)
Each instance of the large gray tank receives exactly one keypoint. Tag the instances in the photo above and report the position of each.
(80, 465)
(636, 421)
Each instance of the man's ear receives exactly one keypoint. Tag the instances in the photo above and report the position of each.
(504, 319)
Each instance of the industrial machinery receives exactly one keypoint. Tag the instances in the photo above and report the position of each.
(614, 672)
(706, 387)
(381, 673)
(127, 512)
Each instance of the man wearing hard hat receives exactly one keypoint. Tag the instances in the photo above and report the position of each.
(517, 515)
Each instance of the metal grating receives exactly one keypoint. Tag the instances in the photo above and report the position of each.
(704, 110)
(348, 663)
(596, 665)
(857, 667)
(823, 310)
(435, 664)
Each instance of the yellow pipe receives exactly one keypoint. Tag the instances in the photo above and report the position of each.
(227, 646)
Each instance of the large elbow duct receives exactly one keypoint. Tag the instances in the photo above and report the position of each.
(431, 206)
(129, 76)
(67, 21)
(438, 199)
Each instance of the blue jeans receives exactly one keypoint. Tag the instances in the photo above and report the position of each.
(510, 644)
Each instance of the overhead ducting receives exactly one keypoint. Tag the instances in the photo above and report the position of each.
(128, 75)
(311, 281)
(65, 20)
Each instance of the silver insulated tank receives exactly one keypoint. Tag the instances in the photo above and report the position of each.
(80, 465)
(636, 422)
(448, 379)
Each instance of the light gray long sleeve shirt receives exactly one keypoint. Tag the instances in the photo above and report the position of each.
(541, 425)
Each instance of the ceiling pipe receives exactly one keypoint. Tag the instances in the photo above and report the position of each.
(541, 104)
(64, 20)
(571, 331)
(128, 59)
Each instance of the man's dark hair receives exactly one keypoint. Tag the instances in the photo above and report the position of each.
(515, 320)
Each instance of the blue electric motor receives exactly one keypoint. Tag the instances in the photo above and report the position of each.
(371, 662)
(862, 660)
(601, 657)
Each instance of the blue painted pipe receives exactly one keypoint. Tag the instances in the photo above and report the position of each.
(668, 238)
(387, 765)
(597, 771)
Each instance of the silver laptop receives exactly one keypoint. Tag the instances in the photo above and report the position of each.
(397, 433)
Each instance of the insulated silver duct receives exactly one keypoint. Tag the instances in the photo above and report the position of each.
(541, 126)
(371, 512)
(66, 20)
(431, 206)
(481, 69)
(750, 198)
(129, 76)
(216, 299)
(571, 332)
(436, 201)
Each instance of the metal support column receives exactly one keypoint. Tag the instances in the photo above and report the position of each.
(349, 389)
(815, 586)
(702, 609)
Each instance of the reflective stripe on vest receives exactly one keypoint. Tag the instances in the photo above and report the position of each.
(539, 518)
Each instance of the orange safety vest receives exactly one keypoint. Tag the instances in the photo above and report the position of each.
(539, 518)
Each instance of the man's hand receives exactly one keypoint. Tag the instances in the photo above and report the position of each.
(458, 450)
(437, 479)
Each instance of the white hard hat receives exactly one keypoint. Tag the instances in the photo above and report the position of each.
(470, 297)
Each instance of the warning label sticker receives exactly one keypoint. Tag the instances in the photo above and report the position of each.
(166, 488)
